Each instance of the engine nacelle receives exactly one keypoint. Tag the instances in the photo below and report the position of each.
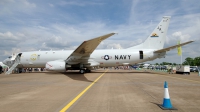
(58, 65)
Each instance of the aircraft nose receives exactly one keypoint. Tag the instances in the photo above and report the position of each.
(4, 62)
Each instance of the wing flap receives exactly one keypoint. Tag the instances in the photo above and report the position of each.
(172, 47)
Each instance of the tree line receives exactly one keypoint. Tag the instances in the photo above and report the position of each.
(192, 61)
(188, 61)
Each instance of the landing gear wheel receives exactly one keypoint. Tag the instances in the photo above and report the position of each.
(82, 71)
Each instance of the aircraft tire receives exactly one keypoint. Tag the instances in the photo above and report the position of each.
(82, 71)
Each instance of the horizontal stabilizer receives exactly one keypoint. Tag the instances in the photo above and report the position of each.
(172, 47)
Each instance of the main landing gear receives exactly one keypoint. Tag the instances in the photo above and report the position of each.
(82, 71)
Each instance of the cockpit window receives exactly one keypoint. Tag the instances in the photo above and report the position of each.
(10, 57)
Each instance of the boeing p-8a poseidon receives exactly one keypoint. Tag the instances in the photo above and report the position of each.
(85, 57)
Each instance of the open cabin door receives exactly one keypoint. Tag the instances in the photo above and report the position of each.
(141, 54)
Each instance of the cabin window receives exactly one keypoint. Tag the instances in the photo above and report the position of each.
(141, 54)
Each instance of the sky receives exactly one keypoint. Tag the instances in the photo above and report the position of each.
(32, 25)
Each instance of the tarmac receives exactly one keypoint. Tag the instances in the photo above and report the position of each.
(99, 91)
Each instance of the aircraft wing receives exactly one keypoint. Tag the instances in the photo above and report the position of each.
(86, 48)
(172, 47)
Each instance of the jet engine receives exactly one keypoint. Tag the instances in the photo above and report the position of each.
(58, 65)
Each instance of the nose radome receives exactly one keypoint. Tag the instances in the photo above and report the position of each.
(4, 62)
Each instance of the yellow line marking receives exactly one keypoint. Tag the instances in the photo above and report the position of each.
(80, 94)
(180, 78)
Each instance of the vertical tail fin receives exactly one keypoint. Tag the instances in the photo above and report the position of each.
(157, 38)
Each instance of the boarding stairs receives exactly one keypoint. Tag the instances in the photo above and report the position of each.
(15, 62)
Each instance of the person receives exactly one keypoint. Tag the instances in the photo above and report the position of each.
(170, 70)
(30, 70)
(1, 69)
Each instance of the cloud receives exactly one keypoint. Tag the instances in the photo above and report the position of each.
(27, 4)
(13, 7)
(80, 3)
(4, 2)
(7, 35)
(14, 50)
(184, 32)
(56, 42)
(11, 43)
(32, 25)
(51, 5)
(10, 36)
(115, 46)
(181, 37)
(108, 45)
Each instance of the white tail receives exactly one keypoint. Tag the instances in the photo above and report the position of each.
(157, 38)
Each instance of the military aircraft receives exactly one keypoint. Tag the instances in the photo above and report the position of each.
(85, 57)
